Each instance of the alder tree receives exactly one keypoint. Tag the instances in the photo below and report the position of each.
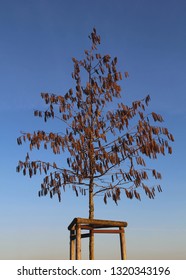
(106, 141)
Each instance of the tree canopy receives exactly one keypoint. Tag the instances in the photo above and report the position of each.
(107, 148)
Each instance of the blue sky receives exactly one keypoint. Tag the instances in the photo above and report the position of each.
(38, 40)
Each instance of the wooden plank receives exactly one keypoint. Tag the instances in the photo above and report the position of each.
(96, 223)
(101, 222)
(83, 235)
(107, 231)
(90, 227)
(72, 224)
(86, 227)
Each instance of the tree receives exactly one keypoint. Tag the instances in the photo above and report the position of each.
(107, 148)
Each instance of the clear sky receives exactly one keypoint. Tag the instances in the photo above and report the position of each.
(38, 38)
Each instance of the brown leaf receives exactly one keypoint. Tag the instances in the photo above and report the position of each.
(126, 74)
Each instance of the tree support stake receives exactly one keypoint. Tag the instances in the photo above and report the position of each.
(94, 226)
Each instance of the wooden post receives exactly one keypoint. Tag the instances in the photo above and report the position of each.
(72, 245)
(78, 242)
(123, 244)
(91, 245)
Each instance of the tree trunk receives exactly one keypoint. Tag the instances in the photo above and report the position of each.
(92, 165)
(91, 216)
